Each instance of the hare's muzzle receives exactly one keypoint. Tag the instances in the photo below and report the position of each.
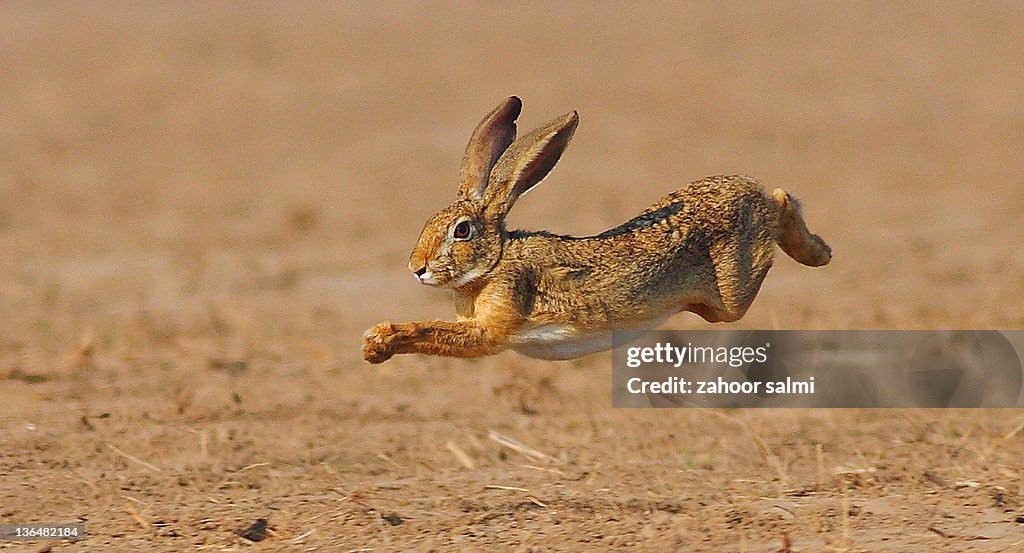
(421, 273)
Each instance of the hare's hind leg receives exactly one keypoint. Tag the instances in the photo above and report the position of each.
(740, 269)
(794, 238)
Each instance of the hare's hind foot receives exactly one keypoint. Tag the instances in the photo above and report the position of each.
(794, 238)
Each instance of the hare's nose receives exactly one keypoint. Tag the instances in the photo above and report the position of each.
(419, 272)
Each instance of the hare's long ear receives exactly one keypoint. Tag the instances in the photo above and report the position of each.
(490, 139)
(526, 162)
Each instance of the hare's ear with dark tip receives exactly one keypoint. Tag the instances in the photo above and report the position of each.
(526, 162)
(490, 139)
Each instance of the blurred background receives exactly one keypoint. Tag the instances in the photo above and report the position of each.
(203, 205)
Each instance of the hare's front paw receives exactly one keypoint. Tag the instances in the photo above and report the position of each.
(378, 343)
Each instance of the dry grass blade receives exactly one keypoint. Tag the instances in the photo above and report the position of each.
(845, 537)
(545, 469)
(536, 501)
(515, 445)
(1015, 431)
(509, 488)
(819, 455)
(462, 457)
(149, 466)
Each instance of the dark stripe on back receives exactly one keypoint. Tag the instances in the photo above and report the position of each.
(644, 220)
(641, 221)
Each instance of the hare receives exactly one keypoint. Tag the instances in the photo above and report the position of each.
(705, 248)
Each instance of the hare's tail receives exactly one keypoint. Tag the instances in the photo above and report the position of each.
(794, 238)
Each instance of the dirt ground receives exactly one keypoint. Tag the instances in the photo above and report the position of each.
(204, 205)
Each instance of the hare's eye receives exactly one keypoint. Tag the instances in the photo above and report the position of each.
(462, 230)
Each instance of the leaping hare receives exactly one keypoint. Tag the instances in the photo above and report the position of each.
(705, 248)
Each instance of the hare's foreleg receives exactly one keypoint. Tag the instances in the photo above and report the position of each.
(466, 338)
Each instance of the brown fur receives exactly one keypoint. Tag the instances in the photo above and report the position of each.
(705, 248)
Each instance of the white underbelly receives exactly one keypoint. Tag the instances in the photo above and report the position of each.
(560, 342)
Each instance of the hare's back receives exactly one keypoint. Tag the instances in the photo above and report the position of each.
(720, 200)
(705, 207)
